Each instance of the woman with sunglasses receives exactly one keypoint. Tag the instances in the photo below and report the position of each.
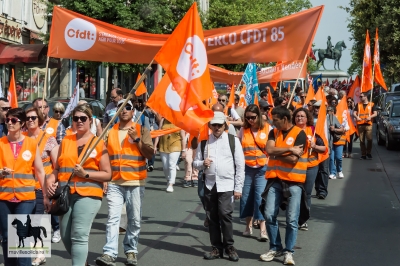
(48, 149)
(86, 183)
(348, 147)
(253, 137)
(58, 112)
(317, 152)
(19, 163)
(95, 126)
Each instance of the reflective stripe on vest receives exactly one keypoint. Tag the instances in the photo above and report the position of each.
(364, 113)
(69, 158)
(127, 162)
(21, 183)
(252, 154)
(287, 171)
(341, 141)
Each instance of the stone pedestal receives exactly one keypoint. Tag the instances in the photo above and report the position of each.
(331, 75)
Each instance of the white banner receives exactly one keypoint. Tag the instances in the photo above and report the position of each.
(73, 102)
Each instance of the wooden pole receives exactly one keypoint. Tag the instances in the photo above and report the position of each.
(130, 95)
(45, 81)
(297, 80)
(280, 88)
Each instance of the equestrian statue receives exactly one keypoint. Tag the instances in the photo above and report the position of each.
(24, 231)
(329, 53)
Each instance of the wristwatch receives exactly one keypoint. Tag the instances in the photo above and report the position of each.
(87, 175)
(137, 140)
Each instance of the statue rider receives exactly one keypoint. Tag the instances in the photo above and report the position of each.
(329, 47)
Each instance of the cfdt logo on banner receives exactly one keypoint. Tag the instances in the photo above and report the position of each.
(80, 35)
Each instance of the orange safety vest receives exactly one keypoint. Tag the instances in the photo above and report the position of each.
(364, 113)
(69, 132)
(51, 127)
(252, 154)
(288, 171)
(67, 161)
(298, 105)
(21, 182)
(127, 162)
(270, 173)
(313, 158)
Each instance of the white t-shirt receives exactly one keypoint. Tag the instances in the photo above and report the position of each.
(93, 126)
(234, 114)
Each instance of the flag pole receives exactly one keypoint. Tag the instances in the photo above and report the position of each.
(280, 88)
(130, 95)
(297, 80)
(45, 80)
(372, 89)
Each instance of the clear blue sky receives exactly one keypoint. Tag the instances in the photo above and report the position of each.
(334, 23)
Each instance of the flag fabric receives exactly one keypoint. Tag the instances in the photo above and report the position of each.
(256, 102)
(142, 88)
(73, 102)
(310, 94)
(12, 91)
(378, 77)
(320, 95)
(1, 91)
(343, 114)
(231, 101)
(321, 127)
(166, 101)
(251, 81)
(367, 79)
(184, 58)
(317, 82)
(270, 99)
(242, 100)
(355, 91)
(161, 132)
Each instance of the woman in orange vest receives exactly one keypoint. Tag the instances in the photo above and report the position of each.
(254, 136)
(86, 184)
(316, 150)
(19, 161)
(48, 149)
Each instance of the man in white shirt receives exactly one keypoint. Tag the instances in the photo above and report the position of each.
(224, 177)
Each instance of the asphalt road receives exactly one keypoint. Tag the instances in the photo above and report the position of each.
(357, 224)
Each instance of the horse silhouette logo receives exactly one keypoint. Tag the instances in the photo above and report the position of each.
(26, 230)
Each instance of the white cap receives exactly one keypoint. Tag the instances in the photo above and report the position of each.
(219, 118)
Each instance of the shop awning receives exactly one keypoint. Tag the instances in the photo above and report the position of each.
(23, 53)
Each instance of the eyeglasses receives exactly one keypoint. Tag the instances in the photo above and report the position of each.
(217, 125)
(302, 96)
(113, 97)
(58, 112)
(5, 108)
(13, 120)
(253, 117)
(127, 107)
(221, 100)
(317, 107)
(266, 109)
(31, 117)
(82, 118)
(349, 101)
(44, 107)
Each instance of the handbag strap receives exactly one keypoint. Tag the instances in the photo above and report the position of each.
(255, 141)
(88, 146)
(41, 138)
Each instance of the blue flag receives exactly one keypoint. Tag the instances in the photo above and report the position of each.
(317, 82)
(251, 82)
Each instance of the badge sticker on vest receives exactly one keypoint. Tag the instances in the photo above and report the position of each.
(263, 135)
(290, 141)
(49, 130)
(93, 154)
(26, 155)
(130, 140)
(369, 107)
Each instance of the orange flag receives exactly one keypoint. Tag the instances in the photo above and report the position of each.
(310, 94)
(142, 88)
(12, 92)
(270, 99)
(162, 132)
(378, 77)
(242, 101)
(166, 101)
(354, 91)
(320, 95)
(256, 99)
(342, 113)
(214, 98)
(184, 58)
(367, 79)
(321, 128)
(231, 101)
(204, 132)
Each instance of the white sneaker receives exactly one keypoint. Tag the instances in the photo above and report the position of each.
(170, 189)
(56, 236)
(340, 175)
(332, 177)
(177, 168)
(270, 255)
(288, 259)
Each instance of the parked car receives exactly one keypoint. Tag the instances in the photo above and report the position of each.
(395, 87)
(388, 126)
(380, 102)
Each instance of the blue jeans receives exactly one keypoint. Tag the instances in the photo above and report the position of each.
(39, 209)
(335, 159)
(6, 207)
(273, 201)
(311, 175)
(253, 187)
(116, 196)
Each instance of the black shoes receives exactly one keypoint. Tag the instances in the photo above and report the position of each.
(369, 156)
(363, 158)
(214, 254)
(320, 196)
(231, 252)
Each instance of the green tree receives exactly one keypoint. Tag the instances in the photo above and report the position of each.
(381, 14)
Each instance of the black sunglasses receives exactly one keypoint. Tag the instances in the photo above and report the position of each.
(221, 100)
(5, 108)
(31, 117)
(302, 96)
(82, 118)
(253, 117)
(127, 107)
(266, 109)
(13, 120)
(58, 112)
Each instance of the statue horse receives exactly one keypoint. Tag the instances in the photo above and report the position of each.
(337, 54)
(24, 231)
